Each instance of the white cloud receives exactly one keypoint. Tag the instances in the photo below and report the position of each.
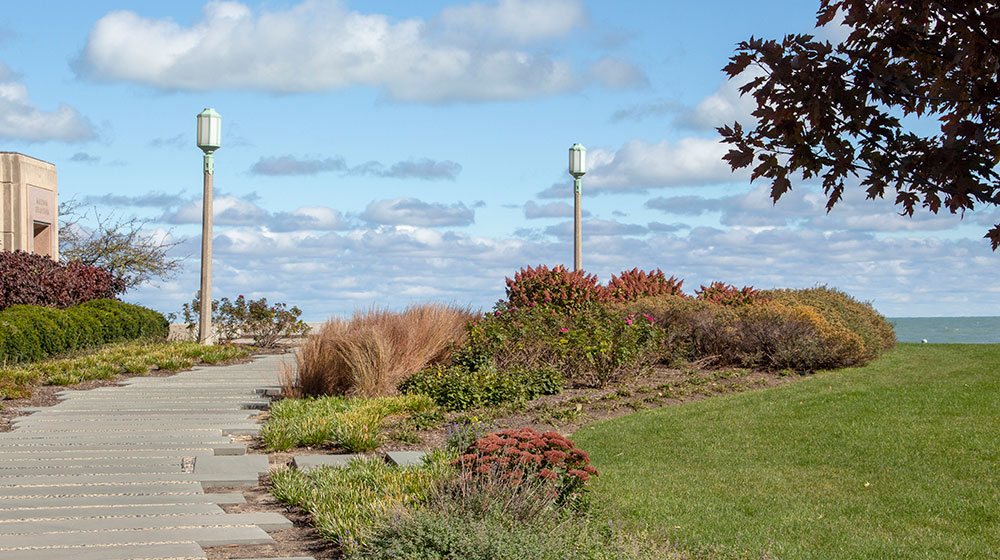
(533, 210)
(20, 119)
(615, 73)
(318, 45)
(413, 212)
(724, 106)
(226, 210)
(641, 165)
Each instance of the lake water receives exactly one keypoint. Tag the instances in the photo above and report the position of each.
(968, 330)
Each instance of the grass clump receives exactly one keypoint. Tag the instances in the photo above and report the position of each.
(894, 460)
(347, 503)
(17, 382)
(457, 388)
(351, 423)
(372, 352)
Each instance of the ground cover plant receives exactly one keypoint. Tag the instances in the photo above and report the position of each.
(18, 382)
(345, 504)
(893, 460)
(348, 423)
(372, 352)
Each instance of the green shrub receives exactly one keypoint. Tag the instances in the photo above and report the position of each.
(594, 345)
(31, 333)
(458, 388)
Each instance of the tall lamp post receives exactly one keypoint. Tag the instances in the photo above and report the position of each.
(577, 168)
(209, 140)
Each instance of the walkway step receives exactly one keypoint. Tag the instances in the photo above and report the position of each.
(266, 521)
(161, 551)
(204, 536)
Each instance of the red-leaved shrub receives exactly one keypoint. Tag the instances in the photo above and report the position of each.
(29, 279)
(726, 294)
(557, 287)
(636, 284)
(523, 455)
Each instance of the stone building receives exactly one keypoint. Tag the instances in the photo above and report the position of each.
(29, 220)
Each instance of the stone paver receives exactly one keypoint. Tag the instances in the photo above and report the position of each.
(305, 462)
(107, 474)
(405, 458)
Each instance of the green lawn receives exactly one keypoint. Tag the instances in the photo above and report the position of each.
(900, 459)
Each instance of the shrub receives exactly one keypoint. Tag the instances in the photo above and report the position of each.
(524, 455)
(265, 324)
(30, 333)
(457, 388)
(594, 345)
(556, 287)
(844, 312)
(29, 279)
(371, 353)
(726, 294)
(636, 284)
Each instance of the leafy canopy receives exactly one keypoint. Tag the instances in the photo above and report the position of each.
(838, 112)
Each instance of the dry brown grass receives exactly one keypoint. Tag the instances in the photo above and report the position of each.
(370, 354)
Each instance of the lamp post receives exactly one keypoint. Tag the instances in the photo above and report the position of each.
(577, 168)
(209, 140)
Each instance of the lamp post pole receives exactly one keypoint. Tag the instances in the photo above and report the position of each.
(577, 168)
(209, 138)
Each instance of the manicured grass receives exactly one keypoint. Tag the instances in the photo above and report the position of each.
(110, 360)
(354, 424)
(899, 459)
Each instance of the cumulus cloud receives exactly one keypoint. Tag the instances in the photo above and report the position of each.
(532, 210)
(724, 106)
(640, 165)
(20, 119)
(414, 212)
(317, 218)
(227, 210)
(425, 169)
(476, 52)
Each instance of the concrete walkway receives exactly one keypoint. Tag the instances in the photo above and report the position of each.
(120, 472)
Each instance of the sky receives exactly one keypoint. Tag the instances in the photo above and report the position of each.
(385, 153)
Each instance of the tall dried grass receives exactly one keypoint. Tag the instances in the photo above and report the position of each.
(370, 354)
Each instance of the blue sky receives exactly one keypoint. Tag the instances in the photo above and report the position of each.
(384, 153)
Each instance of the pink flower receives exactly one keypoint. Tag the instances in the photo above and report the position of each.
(563, 330)
(628, 321)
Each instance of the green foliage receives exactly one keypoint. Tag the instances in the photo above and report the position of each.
(595, 345)
(265, 323)
(458, 388)
(31, 333)
(635, 284)
(347, 503)
(353, 424)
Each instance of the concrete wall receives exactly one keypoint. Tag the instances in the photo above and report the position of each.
(29, 216)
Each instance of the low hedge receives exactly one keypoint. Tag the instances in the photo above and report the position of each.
(31, 333)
